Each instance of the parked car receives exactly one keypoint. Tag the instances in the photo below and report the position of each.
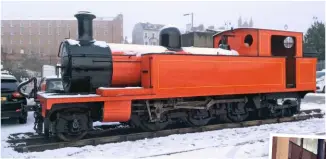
(50, 84)
(320, 81)
(13, 105)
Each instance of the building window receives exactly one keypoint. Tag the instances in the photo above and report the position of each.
(146, 43)
(145, 35)
(12, 41)
(68, 25)
(58, 32)
(49, 42)
(11, 24)
(39, 31)
(310, 145)
(10, 51)
(21, 24)
(12, 32)
(153, 35)
(39, 50)
(30, 31)
(30, 41)
(154, 43)
(2, 33)
(22, 51)
(29, 24)
(106, 33)
(39, 41)
(21, 31)
(49, 31)
(49, 24)
(21, 41)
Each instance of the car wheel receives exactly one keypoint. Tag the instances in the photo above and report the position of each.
(23, 119)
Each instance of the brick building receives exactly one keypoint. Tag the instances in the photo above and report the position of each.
(42, 37)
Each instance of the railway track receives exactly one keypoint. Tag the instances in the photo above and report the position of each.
(118, 133)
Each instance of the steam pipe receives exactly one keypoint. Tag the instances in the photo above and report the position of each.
(85, 27)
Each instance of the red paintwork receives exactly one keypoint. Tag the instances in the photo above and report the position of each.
(184, 75)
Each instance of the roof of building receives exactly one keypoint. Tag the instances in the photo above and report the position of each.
(57, 18)
(149, 26)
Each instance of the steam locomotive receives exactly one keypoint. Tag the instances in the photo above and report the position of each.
(250, 73)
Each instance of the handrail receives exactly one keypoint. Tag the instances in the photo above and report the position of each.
(33, 94)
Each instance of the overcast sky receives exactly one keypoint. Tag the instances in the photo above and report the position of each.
(272, 15)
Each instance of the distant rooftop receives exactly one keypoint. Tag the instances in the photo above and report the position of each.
(149, 26)
(61, 18)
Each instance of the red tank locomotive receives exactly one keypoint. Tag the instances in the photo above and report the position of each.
(151, 87)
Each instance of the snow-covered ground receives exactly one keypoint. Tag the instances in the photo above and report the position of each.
(316, 94)
(251, 142)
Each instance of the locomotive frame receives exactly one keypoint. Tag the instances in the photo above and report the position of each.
(156, 89)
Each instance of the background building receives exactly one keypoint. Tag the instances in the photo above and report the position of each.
(146, 34)
(298, 148)
(245, 24)
(42, 37)
(197, 39)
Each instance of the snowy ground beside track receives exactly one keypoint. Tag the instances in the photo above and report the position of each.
(251, 142)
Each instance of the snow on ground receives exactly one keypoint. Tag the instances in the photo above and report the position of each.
(251, 142)
(306, 106)
(316, 94)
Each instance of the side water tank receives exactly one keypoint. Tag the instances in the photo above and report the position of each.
(170, 37)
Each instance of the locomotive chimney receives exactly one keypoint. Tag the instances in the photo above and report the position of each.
(85, 27)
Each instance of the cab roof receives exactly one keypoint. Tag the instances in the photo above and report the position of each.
(235, 29)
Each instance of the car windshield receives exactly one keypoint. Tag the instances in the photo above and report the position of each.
(8, 85)
(54, 84)
(320, 74)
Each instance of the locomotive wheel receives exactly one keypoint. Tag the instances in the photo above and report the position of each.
(287, 112)
(72, 126)
(198, 117)
(237, 112)
(71, 137)
(143, 123)
(263, 113)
